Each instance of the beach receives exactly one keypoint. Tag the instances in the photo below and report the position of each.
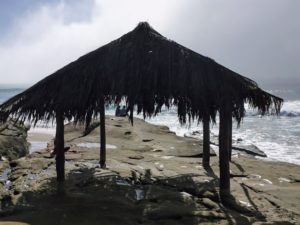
(152, 177)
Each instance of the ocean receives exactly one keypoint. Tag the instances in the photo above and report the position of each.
(277, 136)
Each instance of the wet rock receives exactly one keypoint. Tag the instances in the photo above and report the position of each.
(250, 149)
(13, 143)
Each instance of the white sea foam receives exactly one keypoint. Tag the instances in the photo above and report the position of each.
(291, 108)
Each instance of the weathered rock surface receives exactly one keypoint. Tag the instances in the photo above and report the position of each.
(148, 183)
(13, 143)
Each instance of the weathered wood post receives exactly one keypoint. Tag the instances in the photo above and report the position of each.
(102, 134)
(60, 151)
(206, 142)
(230, 137)
(225, 118)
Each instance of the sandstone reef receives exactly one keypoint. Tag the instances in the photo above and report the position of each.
(152, 177)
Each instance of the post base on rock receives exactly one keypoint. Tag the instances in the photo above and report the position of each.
(103, 165)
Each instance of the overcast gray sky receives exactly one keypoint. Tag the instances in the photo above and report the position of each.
(257, 38)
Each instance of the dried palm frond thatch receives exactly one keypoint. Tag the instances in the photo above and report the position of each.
(149, 71)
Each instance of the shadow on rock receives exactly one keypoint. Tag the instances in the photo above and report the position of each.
(94, 196)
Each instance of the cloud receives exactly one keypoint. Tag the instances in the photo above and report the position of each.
(52, 36)
(259, 39)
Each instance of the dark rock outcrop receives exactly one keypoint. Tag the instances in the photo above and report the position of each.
(13, 143)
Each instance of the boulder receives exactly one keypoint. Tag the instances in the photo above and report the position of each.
(13, 143)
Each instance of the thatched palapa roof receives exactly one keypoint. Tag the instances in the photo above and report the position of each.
(149, 71)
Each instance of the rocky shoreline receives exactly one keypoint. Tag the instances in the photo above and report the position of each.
(13, 140)
(153, 177)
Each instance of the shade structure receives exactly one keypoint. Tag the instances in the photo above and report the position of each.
(148, 71)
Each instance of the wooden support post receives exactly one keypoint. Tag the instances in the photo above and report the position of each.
(60, 151)
(230, 137)
(225, 117)
(206, 142)
(102, 135)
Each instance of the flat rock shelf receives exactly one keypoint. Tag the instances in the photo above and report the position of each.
(158, 181)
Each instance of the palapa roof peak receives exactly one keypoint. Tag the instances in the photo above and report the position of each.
(145, 28)
(149, 71)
